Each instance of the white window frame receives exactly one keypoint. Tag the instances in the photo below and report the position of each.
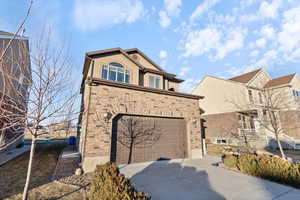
(117, 70)
(156, 80)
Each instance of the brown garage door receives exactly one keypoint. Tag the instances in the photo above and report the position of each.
(141, 139)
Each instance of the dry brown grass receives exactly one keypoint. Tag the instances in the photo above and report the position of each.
(13, 175)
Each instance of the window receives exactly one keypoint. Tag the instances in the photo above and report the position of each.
(154, 82)
(260, 98)
(115, 72)
(243, 122)
(296, 95)
(250, 95)
(252, 124)
(20, 86)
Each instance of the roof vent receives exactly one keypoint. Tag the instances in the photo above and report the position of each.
(135, 57)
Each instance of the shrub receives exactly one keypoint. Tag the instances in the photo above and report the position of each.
(230, 161)
(267, 167)
(273, 168)
(247, 163)
(109, 184)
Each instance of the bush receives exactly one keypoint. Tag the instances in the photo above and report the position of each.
(267, 167)
(109, 184)
(247, 163)
(230, 161)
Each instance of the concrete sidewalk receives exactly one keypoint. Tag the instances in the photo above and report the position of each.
(13, 153)
(199, 179)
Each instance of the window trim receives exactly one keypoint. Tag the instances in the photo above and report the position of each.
(120, 69)
(156, 80)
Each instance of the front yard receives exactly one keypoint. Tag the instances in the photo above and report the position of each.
(13, 175)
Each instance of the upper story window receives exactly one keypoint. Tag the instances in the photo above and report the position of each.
(250, 95)
(115, 72)
(154, 82)
(296, 95)
(260, 98)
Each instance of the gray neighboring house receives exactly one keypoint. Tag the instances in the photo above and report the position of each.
(15, 79)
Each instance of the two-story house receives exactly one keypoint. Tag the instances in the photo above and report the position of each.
(132, 111)
(237, 106)
(15, 79)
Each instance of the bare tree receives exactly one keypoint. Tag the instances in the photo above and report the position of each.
(268, 106)
(51, 90)
(134, 133)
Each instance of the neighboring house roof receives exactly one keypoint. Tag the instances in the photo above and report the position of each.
(245, 78)
(6, 33)
(125, 53)
(280, 81)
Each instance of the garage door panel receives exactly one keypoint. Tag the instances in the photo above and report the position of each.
(151, 138)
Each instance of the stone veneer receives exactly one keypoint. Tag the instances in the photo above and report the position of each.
(109, 100)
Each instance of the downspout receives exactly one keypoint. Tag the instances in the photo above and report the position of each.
(89, 103)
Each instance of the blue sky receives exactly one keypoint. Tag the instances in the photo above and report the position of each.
(186, 37)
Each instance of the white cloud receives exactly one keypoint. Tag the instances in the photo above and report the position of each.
(269, 10)
(163, 54)
(188, 84)
(268, 31)
(289, 36)
(248, 18)
(294, 56)
(212, 39)
(89, 15)
(184, 71)
(164, 19)
(235, 41)
(247, 3)
(201, 41)
(202, 8)
(172, 7)
(254, 53)
(261, 43)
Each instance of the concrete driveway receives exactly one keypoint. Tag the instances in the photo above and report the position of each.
(199, 179)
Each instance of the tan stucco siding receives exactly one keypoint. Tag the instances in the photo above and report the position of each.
(220, 96)
(119, 58)
(147, 79)
(174, 85)
(290, 122)
(145, 63)
(260, 79)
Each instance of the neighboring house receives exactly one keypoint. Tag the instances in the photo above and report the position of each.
(15, 79)
(128, 99)
(237, 104)
(59, 130)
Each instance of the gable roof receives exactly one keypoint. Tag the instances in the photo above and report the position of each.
(280, 81)
(136, 50)
(92, 54)
(245, 78)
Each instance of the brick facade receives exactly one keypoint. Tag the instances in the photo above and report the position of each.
(221, 125)
(107, 100)
(290, 122)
